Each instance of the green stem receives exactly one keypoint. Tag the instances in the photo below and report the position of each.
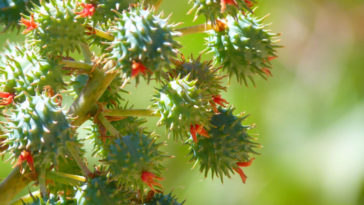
(68, 179)
(87, 54)
(12, 185)
(101, 33)
(98, 83)
(29, 198)
(79, 161)
(114, 132)
(131, 113)
(78, 65)
(42, 182)
(194, 29)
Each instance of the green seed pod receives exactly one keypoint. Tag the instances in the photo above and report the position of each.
(129, 156)
(145, 38)
(100, 190)
(205, 75)
(41, 127)
(161, 199)
(228, 144)
(51, 200)
(25, 71)
(216, 9)
(182, 104)
(11, 10)
(58, 30)
(244, 48)
(103, 10)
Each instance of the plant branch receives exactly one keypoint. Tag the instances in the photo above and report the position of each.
(131, 113)
(76, 64)
(87, 54)
(195, 29)
(12, 185)
(108, 125)
(100, 33)
(76, 156)
(26, 199)
(98, 83)
(68, 179)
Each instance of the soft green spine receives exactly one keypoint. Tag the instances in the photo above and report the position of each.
(41, 127)
(100, 190)
(211, 9)
(228, 144)
(51, 200)
(59, 32)
(144, 37)
(25, 71)
(181, 104)
(132, 154)
(244, 48)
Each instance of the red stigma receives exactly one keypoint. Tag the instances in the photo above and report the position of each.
(224, 3)
(240, 171)
(30, 24)
(8, 98)
(88, 10)
(137, 68)
(25, 156)
(217, 99)
(198, 129)
(149, 179)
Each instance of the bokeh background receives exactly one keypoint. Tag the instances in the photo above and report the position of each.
(309, 116)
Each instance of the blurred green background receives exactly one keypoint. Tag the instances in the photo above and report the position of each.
(309, 116)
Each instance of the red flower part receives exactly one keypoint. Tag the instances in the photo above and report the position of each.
(272, 58)
(198, 129)
(240, 171)
(137, 68)
(25, 156)
(267, 72)
(249, 3)
(217, 99)
(149, 178)
(30, 24)
(88, 10)
(8, 98)
(224, 3)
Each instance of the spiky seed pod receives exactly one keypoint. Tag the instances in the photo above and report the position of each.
(244, 48)
(103, 10)
(51, 200)
(143, 37)
(25, 71)
(228, 144)
(100, 190)
(41, 127)
(205, 75)
(100, 143)
(131, 155)
(11, 10)
(182, 104)
(161, 199)
(58, 30)
(218, 9)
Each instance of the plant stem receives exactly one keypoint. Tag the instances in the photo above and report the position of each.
(12, 185)
(87, 54)
(76, 156)
(42, 182)
(108, 125)
(26, 199)
(78, 65)
(98, 83)
(131, 113)
(100, 33)
(68, 179)
(195, 29)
